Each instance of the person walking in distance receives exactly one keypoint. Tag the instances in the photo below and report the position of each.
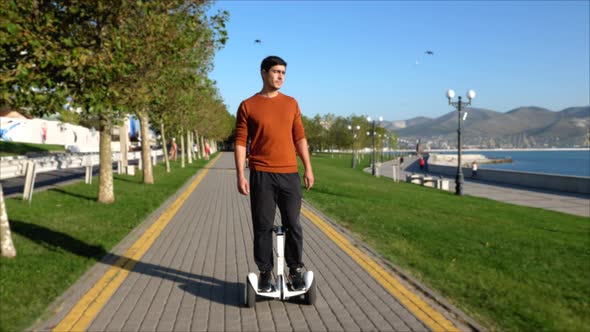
(474, 169)
(173, 150)
(272, 121)
(207, 151)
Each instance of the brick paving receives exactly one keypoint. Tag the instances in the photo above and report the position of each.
(193, 276)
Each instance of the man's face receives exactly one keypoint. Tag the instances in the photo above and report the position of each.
(275, 77)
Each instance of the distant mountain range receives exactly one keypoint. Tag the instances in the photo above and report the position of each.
(523, 127)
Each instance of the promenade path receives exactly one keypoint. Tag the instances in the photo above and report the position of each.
(184, 269)
(577, 204)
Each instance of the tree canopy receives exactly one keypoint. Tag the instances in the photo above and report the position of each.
(104, 55)
(331, 132)
(114, 57)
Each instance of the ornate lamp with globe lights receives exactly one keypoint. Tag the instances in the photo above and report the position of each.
(355, 130)
(373, 159)
(459, 106)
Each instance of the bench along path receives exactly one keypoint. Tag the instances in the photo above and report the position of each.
(192, 278)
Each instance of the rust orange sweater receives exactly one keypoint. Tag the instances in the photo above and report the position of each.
(273, 125)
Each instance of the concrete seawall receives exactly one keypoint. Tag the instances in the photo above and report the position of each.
(572, 184)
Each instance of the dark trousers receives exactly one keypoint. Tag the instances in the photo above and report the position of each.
(267, 190)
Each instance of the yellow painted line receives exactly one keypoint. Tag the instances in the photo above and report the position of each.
(426, 313)
(86, 310)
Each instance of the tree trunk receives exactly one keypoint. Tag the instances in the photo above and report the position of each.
(193, 152)
(182, 150)
(148, 175)
(202, 143)
(124, 141)
(164, 148)
(189, 147)
(196, 137)
(6, 243)
(106, 193)
(193, 146)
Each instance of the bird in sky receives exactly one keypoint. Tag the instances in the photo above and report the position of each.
(427, 53)
(257, 41)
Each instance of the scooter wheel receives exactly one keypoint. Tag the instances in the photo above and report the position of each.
(250, 295)
(309, 296)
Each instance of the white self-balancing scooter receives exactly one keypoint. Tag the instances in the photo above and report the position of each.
(282, 290)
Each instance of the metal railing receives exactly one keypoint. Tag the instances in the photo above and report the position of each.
(12, 167)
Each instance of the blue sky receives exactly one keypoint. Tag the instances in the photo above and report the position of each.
(367, 57)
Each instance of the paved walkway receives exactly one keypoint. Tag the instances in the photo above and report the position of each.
(570, 203)
(184, 270)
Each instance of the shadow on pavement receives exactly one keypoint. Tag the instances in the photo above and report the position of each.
(207, 287)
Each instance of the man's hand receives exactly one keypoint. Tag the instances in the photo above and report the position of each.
(308, 179)
(243, 186)
(303, 152)
(240, 158)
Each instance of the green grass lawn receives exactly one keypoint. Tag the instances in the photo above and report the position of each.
(16, 148)
(510, 267)
(65, 231)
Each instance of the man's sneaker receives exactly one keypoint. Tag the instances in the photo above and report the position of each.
(296, 279)
(265, 282)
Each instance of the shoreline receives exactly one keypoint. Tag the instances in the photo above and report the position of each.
(466, 159)
(562, 163)
(522, 149)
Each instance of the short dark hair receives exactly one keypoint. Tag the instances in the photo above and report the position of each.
(271, 61)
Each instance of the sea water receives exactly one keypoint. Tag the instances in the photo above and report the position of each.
(560, 162)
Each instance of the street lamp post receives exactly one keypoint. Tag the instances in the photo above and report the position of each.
(354, 131)
(383, 141)
(459, 105)
(373, 159)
